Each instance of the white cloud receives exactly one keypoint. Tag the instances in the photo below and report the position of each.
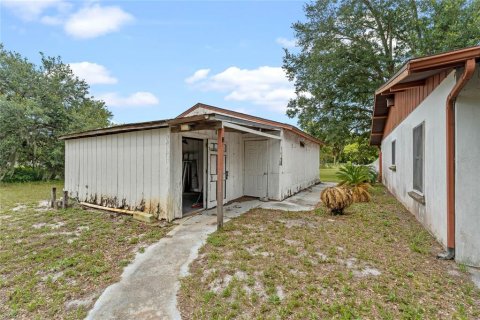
(137, 99)
(94, 20)
(197, 76)
(266, 86)
(31, 10)
(287, 43)
(92, 73)
(51, 20)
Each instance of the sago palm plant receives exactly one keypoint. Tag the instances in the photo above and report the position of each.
(356, 179)
(336, 199)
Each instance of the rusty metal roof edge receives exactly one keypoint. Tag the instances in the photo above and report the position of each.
(116, 129)
(255, 119)
(441, 60)
(163, 124)
(273, 125)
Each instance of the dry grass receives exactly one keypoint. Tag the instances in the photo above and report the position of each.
(54, 264)
(375, 262)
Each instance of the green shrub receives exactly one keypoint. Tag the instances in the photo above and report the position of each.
(352, 175)
(373, 174)
(357, 180)
(25, 174)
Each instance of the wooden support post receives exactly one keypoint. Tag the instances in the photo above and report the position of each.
(220, 168)
(54, 197)
(65, 199)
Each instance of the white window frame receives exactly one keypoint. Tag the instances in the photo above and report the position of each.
(420, 190)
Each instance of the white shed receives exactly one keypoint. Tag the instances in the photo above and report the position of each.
(168, 168)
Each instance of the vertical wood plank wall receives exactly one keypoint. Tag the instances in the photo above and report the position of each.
(234, 165)
(142, 170)
(300, 165)
(273, 165)
(274, 169)
(126, 170)
(406, 101)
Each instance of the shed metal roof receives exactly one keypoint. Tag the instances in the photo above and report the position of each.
(217, 115)
(255, 119)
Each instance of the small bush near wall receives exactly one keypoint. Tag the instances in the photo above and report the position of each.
(25, 174)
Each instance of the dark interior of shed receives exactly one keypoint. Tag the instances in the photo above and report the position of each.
(192, 175)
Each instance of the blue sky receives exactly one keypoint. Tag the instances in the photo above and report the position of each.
(154, 59)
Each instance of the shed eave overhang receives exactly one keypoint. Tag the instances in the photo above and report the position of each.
(197, 122)
(411, 74)
(261, 121)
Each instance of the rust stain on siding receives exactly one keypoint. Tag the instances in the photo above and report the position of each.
(152, 206)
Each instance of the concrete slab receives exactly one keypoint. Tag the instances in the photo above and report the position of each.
(148, 287)
(302, 201)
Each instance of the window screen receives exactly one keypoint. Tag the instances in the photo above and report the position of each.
(418, 146)
(393, 151)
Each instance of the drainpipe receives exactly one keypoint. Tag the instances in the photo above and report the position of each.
(450, 117)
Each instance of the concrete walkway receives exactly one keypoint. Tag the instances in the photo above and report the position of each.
(148, 287)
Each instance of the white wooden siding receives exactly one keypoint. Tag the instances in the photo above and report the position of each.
(234, 165)
(126, 170)
(175, 204)
(142, 170)
(300, 165)
(255, 181)
(273, 149)
(274, 169)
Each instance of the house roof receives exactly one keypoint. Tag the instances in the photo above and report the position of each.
(208, 120)
(411, 74)
(255, 119)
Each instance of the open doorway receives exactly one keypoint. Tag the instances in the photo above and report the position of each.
(192, 175)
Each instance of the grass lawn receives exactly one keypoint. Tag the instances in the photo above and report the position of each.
(375, 262)
(54, 264)
(328, 174)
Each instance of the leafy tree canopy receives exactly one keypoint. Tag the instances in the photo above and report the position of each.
(358, 152)
(37, 105)
(348, 48)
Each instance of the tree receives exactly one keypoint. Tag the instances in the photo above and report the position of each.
(348, 48)
(37, 105)
(359, 153)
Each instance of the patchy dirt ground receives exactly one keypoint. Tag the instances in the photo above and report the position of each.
(54, 264)
(375, 262)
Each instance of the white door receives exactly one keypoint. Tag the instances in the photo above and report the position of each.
(256, 168)
(212, 174)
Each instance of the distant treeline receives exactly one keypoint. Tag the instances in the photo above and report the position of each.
(39, 103)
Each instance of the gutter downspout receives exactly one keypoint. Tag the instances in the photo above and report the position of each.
(450, 151)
